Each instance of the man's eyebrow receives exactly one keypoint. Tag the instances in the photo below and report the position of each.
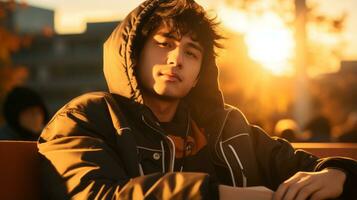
(190, 44)
(169, 35)
(195, 46)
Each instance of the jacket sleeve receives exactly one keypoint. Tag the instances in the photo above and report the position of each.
(78, 164)
(278, 161)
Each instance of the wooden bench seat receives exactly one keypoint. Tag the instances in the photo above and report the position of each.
(20, 165)
(19, 170)
(329, 149)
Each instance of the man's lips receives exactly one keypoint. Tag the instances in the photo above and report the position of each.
(171, 76)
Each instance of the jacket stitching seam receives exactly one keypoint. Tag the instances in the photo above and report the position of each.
(235, 136)
(149, 149)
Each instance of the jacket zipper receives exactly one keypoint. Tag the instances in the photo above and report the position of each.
(163, 156)
(186, 135)
(172, 166)
(166, 138)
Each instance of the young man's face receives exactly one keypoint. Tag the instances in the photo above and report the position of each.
(169, 66)
(32, 119)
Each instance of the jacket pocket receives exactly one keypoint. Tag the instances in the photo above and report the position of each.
(229, 149)
(150, 160)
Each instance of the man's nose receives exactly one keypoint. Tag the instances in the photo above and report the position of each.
(175, 57)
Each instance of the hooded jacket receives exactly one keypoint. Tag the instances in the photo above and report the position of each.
(106, 145)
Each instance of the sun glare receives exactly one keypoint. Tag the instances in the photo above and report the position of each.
(269, 41)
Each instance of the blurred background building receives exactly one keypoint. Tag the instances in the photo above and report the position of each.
(32, 20)
(61, 67)
(65, 66)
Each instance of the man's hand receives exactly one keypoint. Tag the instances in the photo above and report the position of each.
(324, 184)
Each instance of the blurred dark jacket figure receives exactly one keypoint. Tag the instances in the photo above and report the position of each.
(350, 135)
(289, 135)
(25, 115)
(287, 129)
(320, 129)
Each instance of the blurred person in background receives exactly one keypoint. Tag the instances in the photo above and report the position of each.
(350, 133)
(25, 115)
(319, 129)
(287, 129)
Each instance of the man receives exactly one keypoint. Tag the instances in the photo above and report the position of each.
(164, 131)
(25, 114)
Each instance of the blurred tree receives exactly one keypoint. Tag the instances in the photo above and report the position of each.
(323, 32)
(11, 42)
(264, 97)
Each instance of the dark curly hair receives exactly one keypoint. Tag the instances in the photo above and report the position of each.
(184, 17)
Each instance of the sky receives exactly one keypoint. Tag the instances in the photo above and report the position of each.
(72, 16)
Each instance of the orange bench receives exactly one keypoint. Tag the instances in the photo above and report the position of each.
(20, 165)
(329, 149)
(19, 170)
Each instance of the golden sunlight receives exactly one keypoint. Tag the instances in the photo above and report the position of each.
(269, 41)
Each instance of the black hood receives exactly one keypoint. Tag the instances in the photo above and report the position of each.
(120, 62)
(17, 101)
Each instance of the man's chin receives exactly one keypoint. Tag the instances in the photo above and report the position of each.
(169, 97)
(165, 95)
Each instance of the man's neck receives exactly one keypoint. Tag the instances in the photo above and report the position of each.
(163, 109)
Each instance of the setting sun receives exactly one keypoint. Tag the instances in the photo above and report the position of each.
(269, 41)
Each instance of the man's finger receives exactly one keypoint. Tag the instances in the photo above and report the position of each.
(280, 192)
(308, 190)
(294, 188)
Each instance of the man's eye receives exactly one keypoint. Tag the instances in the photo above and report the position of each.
(163, 44)
(191, 54)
